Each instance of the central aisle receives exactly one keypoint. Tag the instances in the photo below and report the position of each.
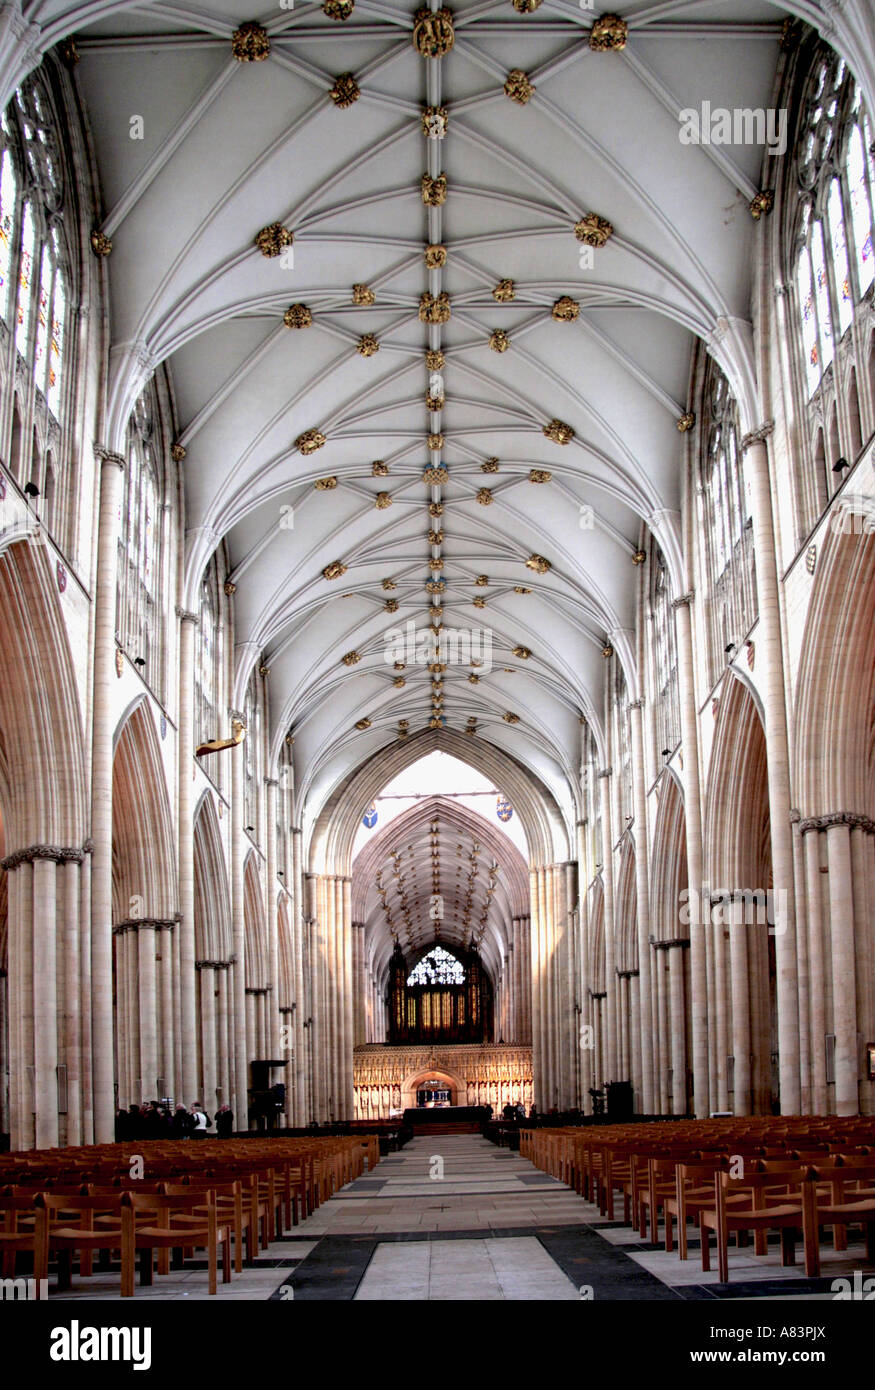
(452, 1217)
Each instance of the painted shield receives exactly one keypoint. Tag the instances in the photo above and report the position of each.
(503, 809)
(369, 819)
(62, 577)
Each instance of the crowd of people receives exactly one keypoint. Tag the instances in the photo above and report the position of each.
(159, 1119)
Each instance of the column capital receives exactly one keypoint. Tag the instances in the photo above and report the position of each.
(627, 974)
(59, 853)
(104, 455)
(757, 436)
(849, 818)
(271, 782)
(684, 600)
(667, 945)
(636, 704)
(605, 772)
(212, 964)
(237, 714)
(185, 616)
(151, 923)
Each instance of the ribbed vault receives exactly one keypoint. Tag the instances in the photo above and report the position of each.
(438, 870)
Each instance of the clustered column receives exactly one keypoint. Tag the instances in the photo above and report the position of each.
(48, 1012)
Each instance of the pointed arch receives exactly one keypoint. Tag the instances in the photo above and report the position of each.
(143, 852)
(835, 700)
(256, 967)
(43, 798)
(334, 830)
(212, 899)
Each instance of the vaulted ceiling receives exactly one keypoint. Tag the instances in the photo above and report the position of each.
(557, 378)
(439, 872)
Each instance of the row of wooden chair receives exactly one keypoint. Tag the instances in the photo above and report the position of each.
(167, 1196)
(795, 1175)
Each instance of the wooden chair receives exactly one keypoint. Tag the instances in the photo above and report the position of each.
(755, 1213)
(694, 1193)
(169, 1227)
(24, 1229)
(845, 1196)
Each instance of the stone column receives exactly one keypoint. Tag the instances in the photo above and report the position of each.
(642, 894)
(274, 1001)
(130, 1023)
(222, 1030)
(301, 1113)
(241, 1055)
(349, 1001)
(678, 1041)
(844, 999)
(360, 983)
(721, 1020)
(660, 970)
(168, 1023)
(148, 1012)
(251, 1023)
(187, 623)
(811, 839)
(611, 1032)
(104, 677)
(45, 1002)
(802, 966)
(741, 1012)
(209, 979)
(863, 908)
(70, 875)
(87, 1076)
(120, 936)
(756, 472)
(693, 822)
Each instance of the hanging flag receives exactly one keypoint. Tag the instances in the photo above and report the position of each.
(369, 819)
(503, 809)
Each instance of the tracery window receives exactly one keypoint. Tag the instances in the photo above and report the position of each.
(831, 274)
(834, 262)
(208, 666)
(139, 616)
(666, 724)
(622, 759)
(729, 557)
(252, 758)
(34, 284)
(439, 967)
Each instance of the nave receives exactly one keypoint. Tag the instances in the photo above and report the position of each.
(493, 1227)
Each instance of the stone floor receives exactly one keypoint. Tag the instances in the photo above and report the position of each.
(455, 1218)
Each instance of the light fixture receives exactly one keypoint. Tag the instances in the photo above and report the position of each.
(666, 752)
(840, 465)
(31, 490)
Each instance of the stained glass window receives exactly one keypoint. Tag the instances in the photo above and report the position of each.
(138, 610)
(732, 605)
(33, 292)
(8, 200)
(834, 261)
(438, 968)
(666, 724)
(25, 281)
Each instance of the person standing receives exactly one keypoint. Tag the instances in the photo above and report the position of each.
(224, 1122)
(200, 1121)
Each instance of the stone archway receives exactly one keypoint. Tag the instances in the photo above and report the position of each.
(457, 1087)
